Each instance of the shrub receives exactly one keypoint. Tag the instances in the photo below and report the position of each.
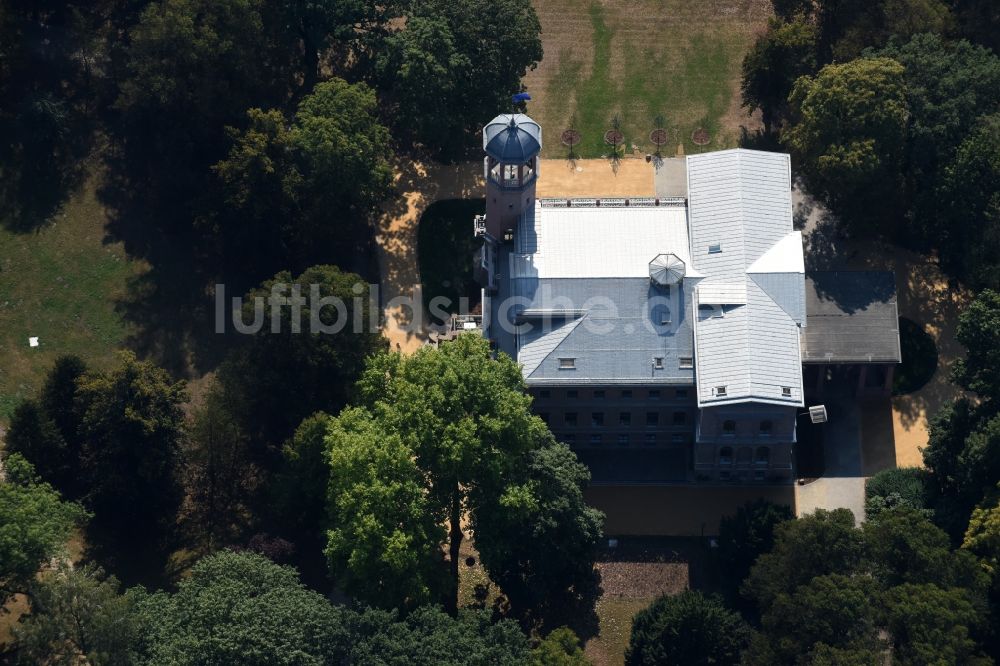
(891, 488)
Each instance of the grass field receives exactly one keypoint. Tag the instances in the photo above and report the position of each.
(59, 283)
(640, 59)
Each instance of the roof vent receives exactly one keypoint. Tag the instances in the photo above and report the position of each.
(666, 269)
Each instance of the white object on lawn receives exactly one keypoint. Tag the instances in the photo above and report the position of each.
(32, 342)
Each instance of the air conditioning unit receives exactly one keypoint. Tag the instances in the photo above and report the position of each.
(817, 414)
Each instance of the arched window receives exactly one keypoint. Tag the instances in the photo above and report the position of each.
(766, 426)
(726, 455)
(729, 427)
(763, 456)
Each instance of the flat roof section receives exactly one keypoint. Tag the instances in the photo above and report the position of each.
(852, 317)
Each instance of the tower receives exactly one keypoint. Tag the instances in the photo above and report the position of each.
(512, 142)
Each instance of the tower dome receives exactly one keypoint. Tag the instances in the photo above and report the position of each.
(512, 138)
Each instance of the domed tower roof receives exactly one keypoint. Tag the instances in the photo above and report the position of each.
(512, 137)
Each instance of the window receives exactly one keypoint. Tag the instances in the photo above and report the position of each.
(686, 361)
(724, 475)
(622, 440)
(544, 393)
(729, 427)
(595, 440)
(654, 394)
(627, 394)
(625, 419)
(597, 419)
(677, 439)
(650, 439)
(715, 248)
(762, 456)
(680, 418)
(766, 426)
(572, 393)
(786, 391)
(758, 475)
(726, 455)
(599, 395)
(570, 419)
(567, 364)
(652, 419)
(658, 362)
(720, 391)
(569, 438)
(681, 393)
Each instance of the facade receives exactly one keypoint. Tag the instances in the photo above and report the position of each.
(661, 338)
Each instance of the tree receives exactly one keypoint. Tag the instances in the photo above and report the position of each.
(897, 487)
(274, 379)
(242, 608)
(834, 610)
(745, 536)
(35, 524)
(466, 433)
(820, 544)
(560, 648)
(538, 538)
(429, 637)
(472, 52)
(874, 23)
(931, 625)
(979, 21)
(220, 478)
(131, 425)
(848, 136)
(778, 58)
(45, 431)
(983, 535)
(688, 628)
(77, 616)
(972, 212)
(904, 547)
(384, 544)
(300, 486)
(948, 86)
(34, 436)
(295, 191)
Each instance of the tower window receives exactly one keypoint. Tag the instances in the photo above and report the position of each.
(729, 427)
(766, 426)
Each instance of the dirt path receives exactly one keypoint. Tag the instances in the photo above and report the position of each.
(419, 184)
(633, 177)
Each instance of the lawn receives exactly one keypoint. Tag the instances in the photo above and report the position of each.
(641, 59)
(60, 283)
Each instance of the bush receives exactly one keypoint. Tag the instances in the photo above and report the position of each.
(891, 488)
(446, 245)
(920, 358)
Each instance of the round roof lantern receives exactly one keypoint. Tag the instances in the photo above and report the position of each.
(512, 137)
(666, 269)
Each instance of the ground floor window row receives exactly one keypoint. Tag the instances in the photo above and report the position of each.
(623, 439)
(624, 419)
(614, 394)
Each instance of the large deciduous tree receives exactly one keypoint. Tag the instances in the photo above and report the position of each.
(458, 422)
(131, 426)
(778, 58)
(307, 362)
(744, 537)
(35, 525)
(849, 135)
(688, 628)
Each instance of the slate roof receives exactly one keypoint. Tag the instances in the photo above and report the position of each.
(743, 243)
(512, 137)
(853, 318)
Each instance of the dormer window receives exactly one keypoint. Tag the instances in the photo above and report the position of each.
(567, 364)
(715, 248)
(685, 362)
(720, 391)
(786, 391)
(658, 363)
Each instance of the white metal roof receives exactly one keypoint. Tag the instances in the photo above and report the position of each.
(597, 241)
(742, 241)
